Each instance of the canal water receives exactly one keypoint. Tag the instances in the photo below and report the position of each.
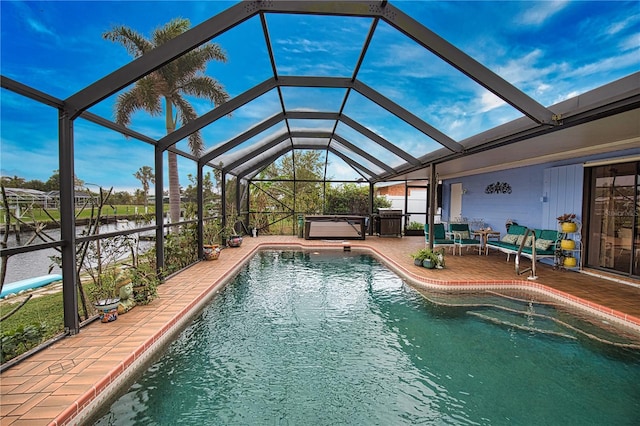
(38, 263)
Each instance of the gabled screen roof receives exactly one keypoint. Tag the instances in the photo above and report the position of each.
(384, 88)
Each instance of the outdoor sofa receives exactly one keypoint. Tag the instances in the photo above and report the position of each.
(517, 235)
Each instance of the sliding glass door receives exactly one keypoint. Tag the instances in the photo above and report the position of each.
(614, 223)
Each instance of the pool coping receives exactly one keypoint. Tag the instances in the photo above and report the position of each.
(88, 404)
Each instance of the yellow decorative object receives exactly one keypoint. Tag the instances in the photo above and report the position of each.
(570, 262)
(567, 244)
(569, 227)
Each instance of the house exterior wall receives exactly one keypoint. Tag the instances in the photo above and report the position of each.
(522, 205)
(539, 193)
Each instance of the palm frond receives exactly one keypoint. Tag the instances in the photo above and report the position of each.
(149, 92)
(198, 59)
(172, 29)
(206, 87)
(139, 97)
(135, 44)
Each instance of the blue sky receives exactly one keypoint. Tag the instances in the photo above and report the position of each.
(550, 50)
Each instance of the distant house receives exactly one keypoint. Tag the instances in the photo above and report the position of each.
(27, 198)
(415, 204)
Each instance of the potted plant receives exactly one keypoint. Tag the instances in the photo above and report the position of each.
(211, 251)
(429, 259)
(569, 261)
(437, 258)
(234, 239)
(229, 237)
(105, 293)
(420, 255)
(144, 278)
(566, 244)
(414, 229)
(567, 222)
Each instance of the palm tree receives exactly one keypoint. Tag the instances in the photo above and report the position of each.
(145, 176)
(183, 76)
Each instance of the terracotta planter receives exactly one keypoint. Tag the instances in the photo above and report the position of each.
(569, 227)
(567, 244)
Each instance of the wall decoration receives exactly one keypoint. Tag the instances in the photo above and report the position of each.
(498, 188)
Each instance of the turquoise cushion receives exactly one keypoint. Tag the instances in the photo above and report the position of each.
(517, 229)
(548, 234)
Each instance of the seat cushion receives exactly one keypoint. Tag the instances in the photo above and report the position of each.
(510, 238)
(527, 243)
(468, 242)
(543, 244)
(548, 234)
(517, 229)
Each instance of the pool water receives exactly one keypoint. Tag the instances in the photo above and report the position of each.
(325, 339)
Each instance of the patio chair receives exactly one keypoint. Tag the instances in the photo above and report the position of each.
(462, 237)
(440, 238)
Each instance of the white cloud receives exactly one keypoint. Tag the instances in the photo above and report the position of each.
(541, 11)
(302, 45)
(619, 26)
(489, 101)
(525, 69)
(631, 43)
(627, 59)
(40, 28)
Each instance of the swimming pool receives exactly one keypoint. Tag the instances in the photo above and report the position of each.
(319, 338)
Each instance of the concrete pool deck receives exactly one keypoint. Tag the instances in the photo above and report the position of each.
(65, 383)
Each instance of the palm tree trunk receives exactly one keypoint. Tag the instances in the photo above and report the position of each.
(174, 179)
(174, 188)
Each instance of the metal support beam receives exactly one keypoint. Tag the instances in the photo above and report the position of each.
(223, 193)
(159, 191)
(380, 140)
(30, 92)
(159, 56)
(238, 197)
(200, 202)
(364, 154)
(68, 223)
(371, 199)
(467, 65)
(245, 136)
(256, 152)
(433, 191)
(408, 117)
(217, 113)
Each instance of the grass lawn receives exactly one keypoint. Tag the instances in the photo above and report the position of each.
(121, 210)
(44, 309)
